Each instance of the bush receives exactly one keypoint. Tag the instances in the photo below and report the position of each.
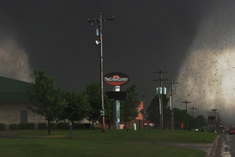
(26, 126)
(42, 125)
(13, 126)
(87, 125)
(62, 126)
(2, 126)
(78, 126)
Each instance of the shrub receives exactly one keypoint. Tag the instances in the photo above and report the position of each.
(13, 126)
(26, 126)
(42, 125)
(2, 126)
(87, 125)
(62, 126)
(78, 126)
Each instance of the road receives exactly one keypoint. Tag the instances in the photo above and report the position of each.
(227, 145)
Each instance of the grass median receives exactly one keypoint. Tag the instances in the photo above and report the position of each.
(87, 143)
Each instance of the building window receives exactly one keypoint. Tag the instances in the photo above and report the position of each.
(23, 116)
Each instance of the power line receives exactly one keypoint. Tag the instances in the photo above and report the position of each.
(49, 41)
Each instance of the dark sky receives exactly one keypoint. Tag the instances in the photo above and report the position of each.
(54, 35)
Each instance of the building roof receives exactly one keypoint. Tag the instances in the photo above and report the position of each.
(13, 90)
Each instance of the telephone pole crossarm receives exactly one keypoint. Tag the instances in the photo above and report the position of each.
(186, 102)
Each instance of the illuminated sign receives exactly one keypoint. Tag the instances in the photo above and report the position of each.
(116, 79)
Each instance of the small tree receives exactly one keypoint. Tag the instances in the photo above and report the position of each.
(200, 121)
(153, 111)
(45, 99)
(78, 106)
(129, 107)
(94, 98)
(93, 94)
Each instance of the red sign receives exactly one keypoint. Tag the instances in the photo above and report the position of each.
(116, 79)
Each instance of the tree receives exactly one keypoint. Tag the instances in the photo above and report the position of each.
(108, 110)
(153, 111)
(45, 99)
(129, 107)
(181, 116)
(200, 121)
(94, 98)
(77, 107)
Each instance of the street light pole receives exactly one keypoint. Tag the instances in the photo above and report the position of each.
(100, 42)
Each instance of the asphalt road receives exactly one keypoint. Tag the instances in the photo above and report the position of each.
(228, 145)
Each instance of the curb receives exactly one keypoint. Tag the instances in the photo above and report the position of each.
(212, 145)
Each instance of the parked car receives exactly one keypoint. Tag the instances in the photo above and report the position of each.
(232, 130)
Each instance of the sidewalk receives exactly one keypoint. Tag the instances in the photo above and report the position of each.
(208, 148)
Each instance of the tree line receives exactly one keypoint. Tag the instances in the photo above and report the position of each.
(180, 116)
(56, 105)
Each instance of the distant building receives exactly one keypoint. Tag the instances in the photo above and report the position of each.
(139, 121)
(14, 100)
(13, 103)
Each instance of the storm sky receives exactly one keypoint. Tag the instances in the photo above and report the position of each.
(192, 40)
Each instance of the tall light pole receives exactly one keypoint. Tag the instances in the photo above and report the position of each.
(99, 21)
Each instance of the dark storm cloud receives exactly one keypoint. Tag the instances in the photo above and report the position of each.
(145, 36)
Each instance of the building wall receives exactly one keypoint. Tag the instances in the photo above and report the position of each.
(10, 114)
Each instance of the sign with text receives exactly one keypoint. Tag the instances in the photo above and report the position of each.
(116, 79)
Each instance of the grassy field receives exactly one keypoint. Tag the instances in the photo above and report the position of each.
(87, 143)
(173, 136)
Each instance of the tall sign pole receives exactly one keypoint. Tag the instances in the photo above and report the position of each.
(116, 79)
(100, 42)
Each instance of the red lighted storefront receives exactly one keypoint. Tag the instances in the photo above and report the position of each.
(140, 123)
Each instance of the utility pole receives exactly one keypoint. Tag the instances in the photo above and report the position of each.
(99, 34)
(186, 102)
(172, 102)
(215, 114)
(193, 110)
(160, 95)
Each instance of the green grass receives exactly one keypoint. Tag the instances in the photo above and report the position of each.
(172, 136)
(35, 143)
(11, 147)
